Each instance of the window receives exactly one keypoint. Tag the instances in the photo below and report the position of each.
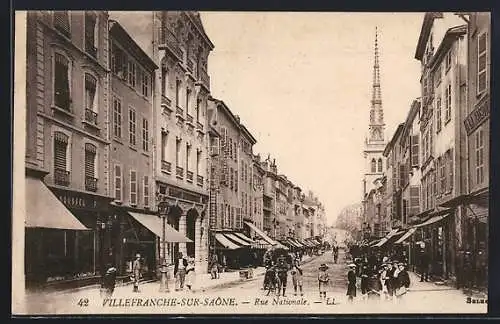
(482, 80)
(164, 81)
(188, 153)
(448, 60)
(374, 166)
(61, 22)
(415, 150)
(177, 153)
(242, 172)
(188, 98)
(131, 126)
(145, 84)
(91, 32)
(118, 182)
(236, 180)
(146, 190)
(235, 151)
(90, 167)
(118, 61)
(231, 177)
(90, 92)
(379, 165)
(131, 79)
(449, 159)
(117, 117)
(62, 94)
(133, 187)
(230, 148)
(414, 200)
(61, 172)
(437, 76)
(145, 135)
(177, 92)
(438, 115)
(479, 156)
(198, 105)
(442, 175)
(164, 146)
(447, 112)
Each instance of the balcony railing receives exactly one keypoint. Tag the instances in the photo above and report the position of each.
(61, 177)
(189, 176)
(179, 172)
(165, 102)
(189, 118)
(179, 111)
(190, 65)
(204, 77)
(91, 116)
(199, 180)
(90, 183)
(166, 166)
(167, 39)
(199, 125)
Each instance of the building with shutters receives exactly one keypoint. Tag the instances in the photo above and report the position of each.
(258, 192)
(67, 148)
(268, 199)
(131, 151)
(442, 51)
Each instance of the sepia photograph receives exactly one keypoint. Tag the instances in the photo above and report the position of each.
(217, 162)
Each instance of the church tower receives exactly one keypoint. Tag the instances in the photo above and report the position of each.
(375, 139)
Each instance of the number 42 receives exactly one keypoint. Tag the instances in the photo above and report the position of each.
(83, 302)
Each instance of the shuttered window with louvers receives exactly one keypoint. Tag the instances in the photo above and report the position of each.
(60, 148)
(414, 200)
(133, 187)
(118, 182)
(90, 154)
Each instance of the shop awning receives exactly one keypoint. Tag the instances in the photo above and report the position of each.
(295, 244)
(406, 235)
(436, 217)
(244, 237)
(261, 233)
(225, 242)
(300, 245)
(44, 210)
(386, 238)
(155, 225)
(236, 239)
(372, 243)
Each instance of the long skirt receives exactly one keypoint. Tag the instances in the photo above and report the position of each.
(351, 290)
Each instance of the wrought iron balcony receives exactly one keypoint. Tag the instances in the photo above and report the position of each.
(91, 116)
(204, 78)
(166, 166)
(165, 102)
(199, 180)
(90, 183)
(189, 176)
(199, 125)
(179, 172)
(189, 118)
(179, 111)
(167, 40)
(61, 177)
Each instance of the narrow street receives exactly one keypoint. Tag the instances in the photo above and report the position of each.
(248, 297)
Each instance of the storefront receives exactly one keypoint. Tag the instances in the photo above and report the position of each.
(65, 241)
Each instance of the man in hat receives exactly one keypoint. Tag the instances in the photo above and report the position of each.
(136, 270)
(297, 277)
(351, 282)
(323, 280)
(282, 268)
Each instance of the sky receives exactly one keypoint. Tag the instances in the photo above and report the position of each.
(301, 83)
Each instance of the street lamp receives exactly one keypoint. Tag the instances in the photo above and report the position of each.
(163, 210)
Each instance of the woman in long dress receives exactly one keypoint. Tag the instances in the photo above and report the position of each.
(190, 274)
(351, 285)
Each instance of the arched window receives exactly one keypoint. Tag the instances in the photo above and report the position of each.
(374, 166)
(380, 165)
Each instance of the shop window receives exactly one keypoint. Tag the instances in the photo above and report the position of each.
(62, 70)
(91, 33)
(117, 118)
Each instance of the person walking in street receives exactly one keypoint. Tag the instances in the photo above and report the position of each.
(351, 282)
(335, 254)
(424, 265)
(364, 282)
(403, 280)
(297, 277)
(383, 281)
(136, 271)
(109, 281)
(214, 267)
(282, 268)
(180, 271)
(190, 274)
(323, 280)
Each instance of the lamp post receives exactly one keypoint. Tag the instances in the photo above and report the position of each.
(163, 210)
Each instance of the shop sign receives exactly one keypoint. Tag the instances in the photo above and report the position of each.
(72, 200)
(477, 116)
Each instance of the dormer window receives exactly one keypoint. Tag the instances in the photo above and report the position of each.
(91, 32)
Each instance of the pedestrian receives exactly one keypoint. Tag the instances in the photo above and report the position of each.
(351, 282)
(214, 267)
(383, 280)
(109, 281)
(180, 271)
(136, 270)
(323, 280)
(424, 265)
(336, 254)
(297, 277)
(282, 268)
(364, 282)
(403, 280)
(190, 274)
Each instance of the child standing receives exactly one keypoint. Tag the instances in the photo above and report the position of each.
(323, 280)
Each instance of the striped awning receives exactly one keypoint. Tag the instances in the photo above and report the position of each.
(233, 237)
(225, 242)
(406, 235)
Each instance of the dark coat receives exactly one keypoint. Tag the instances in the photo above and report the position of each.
(404, 279)
(351, 285)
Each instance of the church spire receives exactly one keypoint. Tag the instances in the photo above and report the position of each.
(376, 111)
(376, 94)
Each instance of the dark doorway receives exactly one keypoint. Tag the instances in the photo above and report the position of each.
(190, 231)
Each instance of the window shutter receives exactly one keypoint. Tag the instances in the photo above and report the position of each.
(402, 175)
(450, 170)
(415, 150)
(89, 163)
(133, 187)
(60, 146)
(118, 182)
(414, 200)
(146, 191)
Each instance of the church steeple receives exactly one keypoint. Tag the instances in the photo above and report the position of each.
(377, 125)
